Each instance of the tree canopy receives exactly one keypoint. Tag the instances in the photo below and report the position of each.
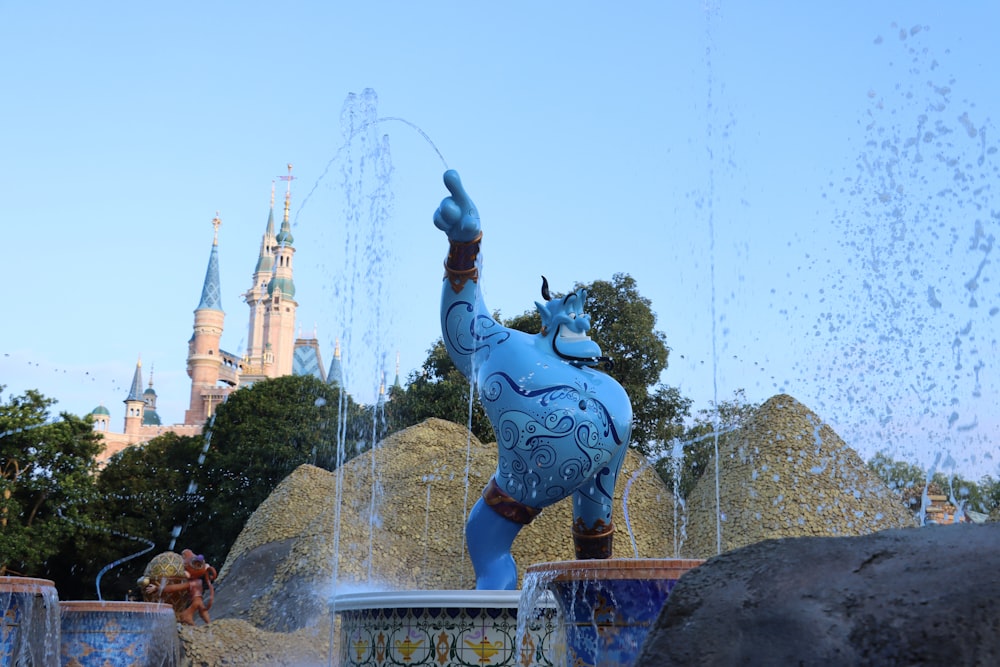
(177, 492)
(46, 482)
(437, 390)
(256, 438)
(143, 494)
(911, 483)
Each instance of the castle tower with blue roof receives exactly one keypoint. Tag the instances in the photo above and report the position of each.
(271, 338)
(149, 414)
(205, 357)
(134, 404)
(272, 348)
(255, 298)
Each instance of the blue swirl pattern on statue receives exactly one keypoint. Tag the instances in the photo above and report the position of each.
(470, 333)
(551, 439)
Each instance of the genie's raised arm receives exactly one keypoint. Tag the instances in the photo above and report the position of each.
(466, 324)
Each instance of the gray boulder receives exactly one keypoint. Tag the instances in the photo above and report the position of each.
(916, 596)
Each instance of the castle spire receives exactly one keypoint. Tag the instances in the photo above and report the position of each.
(204, 356)
(134, 405)
(216, 222)
(269, 230)
(265, 261)
(285, 235)
(135, 393)
(278, 316)
(396, 384)
(281, 277)
(256, 297)
(211, 291)
(335, 376)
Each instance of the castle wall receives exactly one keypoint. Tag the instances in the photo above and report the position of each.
(116, 442)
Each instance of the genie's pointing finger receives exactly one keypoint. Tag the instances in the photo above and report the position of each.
(457, 215)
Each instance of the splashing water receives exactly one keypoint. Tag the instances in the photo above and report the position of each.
(336, 157)
(680, 522)
(534, 601)
(912, 318)
(710, 211)
(150, 545)
(362, 294)
(193, 485)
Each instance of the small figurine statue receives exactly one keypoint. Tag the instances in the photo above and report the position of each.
(562, 425)
(200, 576)
(184, 590)
(165, 569)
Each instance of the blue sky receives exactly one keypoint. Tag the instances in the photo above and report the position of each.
(803, 190)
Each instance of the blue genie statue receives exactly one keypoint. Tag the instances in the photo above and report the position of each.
(562, 424)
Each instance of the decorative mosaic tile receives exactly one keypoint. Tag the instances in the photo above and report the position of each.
(460, 637)
(118, 634)
(608, 607)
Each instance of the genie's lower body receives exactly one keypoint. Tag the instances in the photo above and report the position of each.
(569, 448)
(496, 519)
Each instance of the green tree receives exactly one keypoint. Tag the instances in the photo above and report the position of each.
(143, 495)
(965, 493)
(148, 484)
(257, 437)
(437, 390)
(991, 497)
(910, 482)
(906, 479)
(46, 482)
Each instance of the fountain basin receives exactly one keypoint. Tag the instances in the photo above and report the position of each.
(29, 622)
(118, 634)
(608, 606)
(441, 628)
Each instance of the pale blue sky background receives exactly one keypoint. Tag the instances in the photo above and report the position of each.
(828, 166)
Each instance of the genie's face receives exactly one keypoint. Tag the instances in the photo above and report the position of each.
(564, 320)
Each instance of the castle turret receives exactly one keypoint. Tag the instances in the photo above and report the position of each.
(204, 356)
(150, 416)
(102, 418)
(256, 297)
(135, 407)
(279, 314)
